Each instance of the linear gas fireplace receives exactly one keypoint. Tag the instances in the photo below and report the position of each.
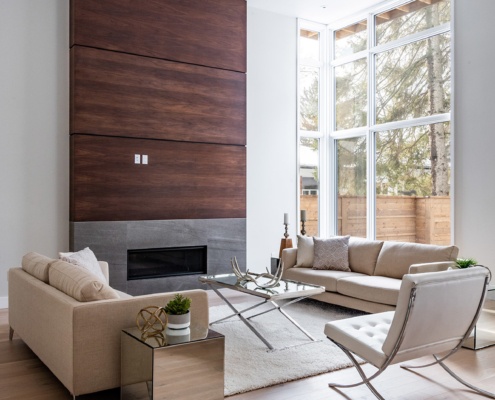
(164, 262)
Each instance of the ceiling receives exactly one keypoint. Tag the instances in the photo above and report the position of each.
(325, 11)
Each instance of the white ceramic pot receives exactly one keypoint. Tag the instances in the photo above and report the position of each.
(179, 321)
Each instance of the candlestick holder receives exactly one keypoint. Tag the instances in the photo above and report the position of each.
(303, 228)
(286, 242)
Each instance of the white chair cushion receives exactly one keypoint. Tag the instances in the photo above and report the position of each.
(364, 335)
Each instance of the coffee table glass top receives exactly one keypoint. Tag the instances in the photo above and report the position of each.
(285, 289)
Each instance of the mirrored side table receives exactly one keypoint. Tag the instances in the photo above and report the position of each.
(483, 334)
(185, 365)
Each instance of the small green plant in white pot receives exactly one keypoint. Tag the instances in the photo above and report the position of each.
(178, 313)
(465, 262)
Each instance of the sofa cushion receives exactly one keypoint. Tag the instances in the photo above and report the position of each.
(85, 259)
(363, 254)
(305, 251)
(325, 278)
(395, 258)
(332, 253)
(78, 283)
(37, 265)
(378, 289)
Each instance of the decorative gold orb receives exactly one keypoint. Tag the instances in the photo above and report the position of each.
(151, 321)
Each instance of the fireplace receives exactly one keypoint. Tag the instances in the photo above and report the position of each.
(112, 241)
(166, 262)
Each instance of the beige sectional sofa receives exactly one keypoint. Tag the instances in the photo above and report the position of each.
(376, 270)
(79, 341)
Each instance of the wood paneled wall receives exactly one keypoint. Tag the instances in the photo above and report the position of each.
(181, 180)
(165, 78)
(202, 32)
(124, 95)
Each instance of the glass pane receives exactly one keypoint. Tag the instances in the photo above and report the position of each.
(413, 184)
(309, 45)
(351, 170)
(308, 175)
(351, 39)
(413, 80)
(410, 18)
(309, 100)
(351, 84)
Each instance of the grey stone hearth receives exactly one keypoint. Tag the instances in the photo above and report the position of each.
(224, 238)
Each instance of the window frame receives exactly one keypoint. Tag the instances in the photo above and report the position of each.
(328, 135)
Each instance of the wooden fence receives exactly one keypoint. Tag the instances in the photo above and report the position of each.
(398, 218)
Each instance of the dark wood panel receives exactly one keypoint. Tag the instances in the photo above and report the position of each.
(203, 32)
(182, 180)
(126, 95)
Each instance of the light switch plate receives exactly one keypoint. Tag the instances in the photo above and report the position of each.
(137, 158)
(145, 158)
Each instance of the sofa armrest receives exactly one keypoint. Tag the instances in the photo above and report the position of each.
(104, 269)
(289, 258)
(431, 267)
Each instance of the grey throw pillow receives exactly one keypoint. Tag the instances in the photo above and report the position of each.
(332, 253)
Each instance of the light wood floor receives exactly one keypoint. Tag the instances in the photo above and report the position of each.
(23, 376)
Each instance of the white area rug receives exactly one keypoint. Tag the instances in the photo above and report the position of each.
(250, 365)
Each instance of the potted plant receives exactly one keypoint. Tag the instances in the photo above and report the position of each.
(465, 262)
(471, 262)
(178, 314)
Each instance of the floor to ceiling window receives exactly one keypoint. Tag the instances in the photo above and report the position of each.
(374, 124)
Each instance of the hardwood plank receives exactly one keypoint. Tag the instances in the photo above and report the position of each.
(210, 33)
(181, 180)
(126, 95)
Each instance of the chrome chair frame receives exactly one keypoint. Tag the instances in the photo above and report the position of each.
(438, 360)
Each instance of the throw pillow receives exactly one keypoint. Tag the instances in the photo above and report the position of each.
(332, 253)
(37, 265)
(79, 283)
(305, 251)
(85, 259)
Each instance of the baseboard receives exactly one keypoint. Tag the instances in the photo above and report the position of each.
(4, 302)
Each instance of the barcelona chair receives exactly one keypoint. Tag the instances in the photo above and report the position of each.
(435, 313)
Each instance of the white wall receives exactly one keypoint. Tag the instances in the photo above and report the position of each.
(271, 133)
(34, 131)
(474, 80)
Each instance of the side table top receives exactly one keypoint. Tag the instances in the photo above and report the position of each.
(170, 337)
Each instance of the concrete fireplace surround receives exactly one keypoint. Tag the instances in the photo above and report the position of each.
(224, 238)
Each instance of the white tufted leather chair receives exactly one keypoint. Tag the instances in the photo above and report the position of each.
(435, 313)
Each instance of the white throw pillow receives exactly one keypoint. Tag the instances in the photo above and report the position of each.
(305, 251)
(85, 259)
(332, 253)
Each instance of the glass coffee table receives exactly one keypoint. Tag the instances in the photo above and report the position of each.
(286, 289)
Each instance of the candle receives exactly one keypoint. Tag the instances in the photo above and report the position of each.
(286, 219)
(303, 215)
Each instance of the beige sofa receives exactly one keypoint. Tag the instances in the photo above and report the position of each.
(377, 268)
(79, 341)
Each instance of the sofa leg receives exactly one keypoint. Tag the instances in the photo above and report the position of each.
(11, 333)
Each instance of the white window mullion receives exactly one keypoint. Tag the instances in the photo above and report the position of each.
(370, 142)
